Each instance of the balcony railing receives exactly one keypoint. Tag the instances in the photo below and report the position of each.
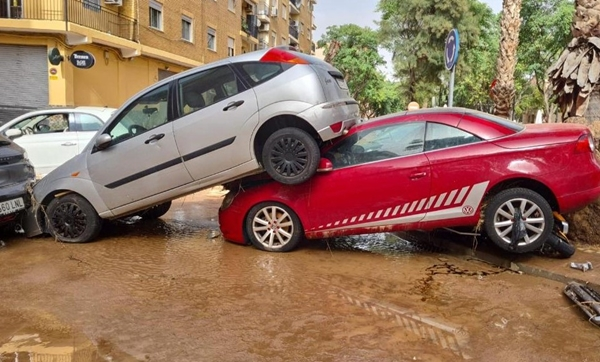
(294, 32)
(81, 12)
(250, 25)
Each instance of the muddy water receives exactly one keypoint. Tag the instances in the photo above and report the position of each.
(170, 290)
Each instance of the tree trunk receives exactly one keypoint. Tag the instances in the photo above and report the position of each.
(504, 90)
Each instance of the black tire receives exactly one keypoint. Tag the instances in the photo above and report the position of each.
(562, 247)
(281, 235)
(499, 227)
(291, 156)
(72, 219)
(156, 211)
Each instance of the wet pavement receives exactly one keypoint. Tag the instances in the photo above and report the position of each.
(173, 290)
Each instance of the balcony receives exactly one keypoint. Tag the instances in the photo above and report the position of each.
(295, 6)
(73, 11)
(250, 25)
(263, 12)
(293, 34)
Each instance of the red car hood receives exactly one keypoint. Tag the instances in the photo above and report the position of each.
(543, 134)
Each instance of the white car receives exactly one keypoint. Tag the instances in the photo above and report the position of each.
(53, 136)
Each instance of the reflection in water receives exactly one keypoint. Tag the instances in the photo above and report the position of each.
(383, 243)
(444, 335)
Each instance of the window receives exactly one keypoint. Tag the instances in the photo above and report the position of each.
(45, 123)
(186, 28)
(87, 123)
(273, 39)
(256, 73)
(92, 4)
(441, 136)
(378, 144)
(156, 20)
(231, 5)
(230, 47)
(284, 11)
(147, 112)
(206, 88)
(212, 39)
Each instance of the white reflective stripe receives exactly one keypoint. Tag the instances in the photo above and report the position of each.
(396, 210)
(370, 216)
(387, 212)
(378, 214)
(450, 198)
(353, 219)
(473, 199)
(412, 206)
(431, 199)
(404, 208)
(421, 204)
(361, 217)
(462, 194)
(345, 221)
(336, 223)
(440, 200)
(375, 223)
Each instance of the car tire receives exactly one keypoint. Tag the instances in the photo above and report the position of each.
(272, 226)
(154, 212)
(291, 156)
(72, 219)
(563, 248)
(499, 224)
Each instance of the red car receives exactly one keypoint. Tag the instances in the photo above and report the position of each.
(433, 168)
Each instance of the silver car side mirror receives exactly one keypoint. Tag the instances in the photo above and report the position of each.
(103, 141)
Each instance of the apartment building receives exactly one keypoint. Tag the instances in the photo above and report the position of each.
(101, 52)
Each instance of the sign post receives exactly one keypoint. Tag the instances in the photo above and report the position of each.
(451, 57)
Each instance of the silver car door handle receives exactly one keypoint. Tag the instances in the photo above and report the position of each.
(233, 105)
(154, 137)
(69, 144)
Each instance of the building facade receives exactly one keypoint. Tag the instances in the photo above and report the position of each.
(134, 43)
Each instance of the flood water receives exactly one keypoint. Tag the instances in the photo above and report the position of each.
(174, 290)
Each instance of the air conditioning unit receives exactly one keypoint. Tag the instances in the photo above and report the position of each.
(264, 27)
(274, 11)
(113, 2)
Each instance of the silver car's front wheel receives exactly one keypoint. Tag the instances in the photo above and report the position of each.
(273, 227)
(518, 220)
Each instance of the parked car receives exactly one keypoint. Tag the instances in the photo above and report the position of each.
(210, 125)
(53, 136)
(16, 176)
(428, 169)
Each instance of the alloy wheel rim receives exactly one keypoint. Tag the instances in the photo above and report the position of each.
(69, 220)
(289, 156)
(533, 218)
(273, 227)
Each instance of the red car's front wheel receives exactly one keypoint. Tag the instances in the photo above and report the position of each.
(273, 227)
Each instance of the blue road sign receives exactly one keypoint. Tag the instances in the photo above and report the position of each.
(451, 50)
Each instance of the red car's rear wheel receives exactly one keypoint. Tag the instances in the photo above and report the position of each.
(518, 220)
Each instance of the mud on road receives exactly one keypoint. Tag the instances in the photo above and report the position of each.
(169, 290)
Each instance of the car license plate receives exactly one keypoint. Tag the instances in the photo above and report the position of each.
(10, 206)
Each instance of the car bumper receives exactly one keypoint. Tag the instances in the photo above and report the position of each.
(231, 223)
(332, 119)
(12, 193)
(578, 200)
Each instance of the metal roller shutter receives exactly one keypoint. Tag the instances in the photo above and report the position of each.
(23, 80)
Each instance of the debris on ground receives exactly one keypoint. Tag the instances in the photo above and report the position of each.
(586, 298)
(582, 266)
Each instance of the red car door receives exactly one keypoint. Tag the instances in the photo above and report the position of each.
(381, 180)
(460, 164)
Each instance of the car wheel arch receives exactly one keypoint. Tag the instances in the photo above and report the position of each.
(276, 123)
(526, 183)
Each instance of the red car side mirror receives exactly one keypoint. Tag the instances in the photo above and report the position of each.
(325, 165)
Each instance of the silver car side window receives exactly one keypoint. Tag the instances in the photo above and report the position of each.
(206, 88)
(146, 113)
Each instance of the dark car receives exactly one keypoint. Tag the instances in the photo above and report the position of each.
(16, 176)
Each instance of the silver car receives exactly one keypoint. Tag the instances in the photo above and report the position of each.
(268, 109)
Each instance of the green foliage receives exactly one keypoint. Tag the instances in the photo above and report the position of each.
(415, 32)
(359, 59)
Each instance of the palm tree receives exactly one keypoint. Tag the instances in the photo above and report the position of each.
(503, 91)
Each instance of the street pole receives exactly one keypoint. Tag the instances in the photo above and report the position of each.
(451, 93)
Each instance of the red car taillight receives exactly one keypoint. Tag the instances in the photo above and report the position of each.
(585, 143)
(281, 56)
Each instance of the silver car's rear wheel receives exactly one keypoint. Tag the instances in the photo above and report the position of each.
(291, 156)
(518, 220)
(273, 227)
